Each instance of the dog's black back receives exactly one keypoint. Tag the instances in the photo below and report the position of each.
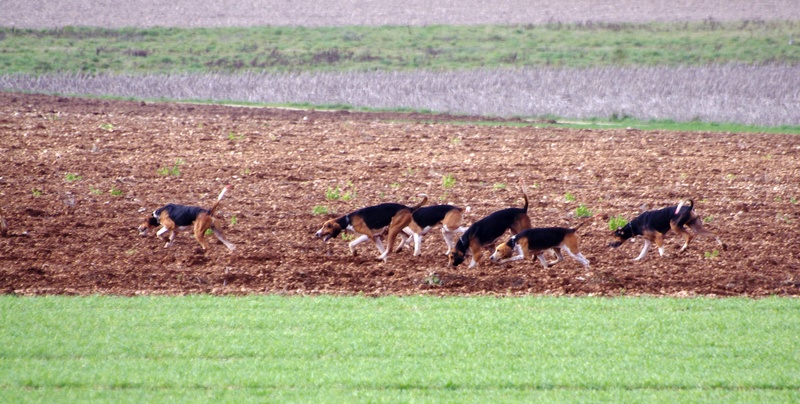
(431, 215)
(490, 228)
(541, 238)
(378, 216)
(180, 214)
(656, 220)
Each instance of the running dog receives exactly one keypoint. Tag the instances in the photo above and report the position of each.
(425, 219)
(486, 231)
(371, 222)
(538, 240)
(173, 218)
(653, 225)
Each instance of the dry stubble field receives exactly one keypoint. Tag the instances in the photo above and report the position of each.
(314, 13)
(69, 234)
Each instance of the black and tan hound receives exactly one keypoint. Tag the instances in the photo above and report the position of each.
(654, 224)
(486, 231)
(174, 218)
(426, 218)
(534, 242)
(371, 222)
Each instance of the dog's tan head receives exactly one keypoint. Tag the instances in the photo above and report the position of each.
(503, 251)
(620, 235)
(455, 258)
(147, 223)
(329, 229)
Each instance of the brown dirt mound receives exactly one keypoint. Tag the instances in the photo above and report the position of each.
(77, 175)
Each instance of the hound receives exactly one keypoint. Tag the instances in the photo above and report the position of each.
(371, 222)
(425, 219)
(486, 231)
(173, 218)
(653, 225)
(537, 241)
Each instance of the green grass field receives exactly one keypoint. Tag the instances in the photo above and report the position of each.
(278, 49)
(334, 349)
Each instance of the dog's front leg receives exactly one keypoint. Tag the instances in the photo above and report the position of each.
(514, 258)
(660, 243)
(171, 239)
(418, 244)
(356, 242)
(543, 260)
(647, 244)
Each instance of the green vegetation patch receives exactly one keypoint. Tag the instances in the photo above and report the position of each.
(636, 124)
(278, 49)
(273, 348)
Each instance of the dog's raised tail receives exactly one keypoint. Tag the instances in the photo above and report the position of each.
(424, 199)
(524, 193)
(219, 198)
(574, 229)
(680, 205)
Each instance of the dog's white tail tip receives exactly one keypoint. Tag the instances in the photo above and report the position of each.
(678, 209)
(224, 190)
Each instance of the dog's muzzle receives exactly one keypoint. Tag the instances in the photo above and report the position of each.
(324, 238)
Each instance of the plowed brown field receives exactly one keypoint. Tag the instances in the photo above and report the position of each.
(68, 233)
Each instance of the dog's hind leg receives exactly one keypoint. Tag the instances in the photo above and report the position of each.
(559, 257)
(577, 256)
(405, 236)
(571, 247)
(698, 228)
(219, 236)
(201, 224)
(398, 223)
(449, 236)
(647, 244)
(687, 237)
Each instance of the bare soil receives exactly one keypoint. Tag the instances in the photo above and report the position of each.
(77, 175)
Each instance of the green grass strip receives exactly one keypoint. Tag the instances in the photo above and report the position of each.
(276, 49)
(334, 349)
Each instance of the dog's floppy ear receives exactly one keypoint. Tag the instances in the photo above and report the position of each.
(512, 242)
(152, 221)
(335, 229)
